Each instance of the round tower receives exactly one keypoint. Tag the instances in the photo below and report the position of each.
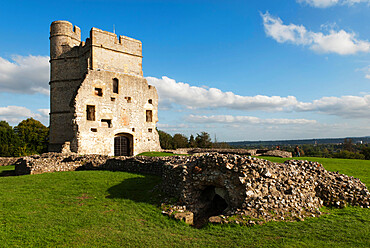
(63, 36)
(65, 40)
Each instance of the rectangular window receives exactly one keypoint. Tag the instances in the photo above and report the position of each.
(115, 85)
(150, 101)
(107, 122)
(149, 116)
(150, 130)
(90, 112)
(98, 92)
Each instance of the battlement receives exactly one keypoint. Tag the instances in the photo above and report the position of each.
(65, 28)
(108, 40)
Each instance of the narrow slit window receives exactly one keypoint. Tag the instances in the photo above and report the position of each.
(90, 112)
(149, 116)
(115, 85)
(94, 130)
(107, 122)
(98, 91)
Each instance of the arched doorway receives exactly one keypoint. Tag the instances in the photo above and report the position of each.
(123, 144)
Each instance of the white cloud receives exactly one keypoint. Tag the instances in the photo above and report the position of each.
(329, 3)
(15, 114)
(340, 42)
(171, 92)
(25, 74)
(345, 106)
(230, 119)
(193, 97)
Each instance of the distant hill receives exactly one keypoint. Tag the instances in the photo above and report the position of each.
(355, 140)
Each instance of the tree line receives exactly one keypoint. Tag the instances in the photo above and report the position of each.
(28, 137)
(31, 137)
(348, 149)
(178, 140)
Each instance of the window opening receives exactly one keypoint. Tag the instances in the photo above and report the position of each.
(150, 130)
(98, 91)
(90, 112)
(149, 116)
(150, 101)
(94, 130)
(115, 85)
(133, 129)
(113, 99)
(107, 122)
(128, 98)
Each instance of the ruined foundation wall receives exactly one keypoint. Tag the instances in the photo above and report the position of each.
(5, 161)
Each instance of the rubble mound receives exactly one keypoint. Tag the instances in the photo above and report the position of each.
(232, 188)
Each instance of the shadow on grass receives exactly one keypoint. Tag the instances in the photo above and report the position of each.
(7, 173)
(139, 189)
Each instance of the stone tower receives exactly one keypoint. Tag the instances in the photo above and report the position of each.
(100, 103)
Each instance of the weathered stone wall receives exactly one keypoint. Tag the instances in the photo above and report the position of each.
(250, 152)
(5, 161)
(253, 189)
(82, 74)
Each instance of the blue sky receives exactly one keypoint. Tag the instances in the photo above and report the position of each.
(241, 70)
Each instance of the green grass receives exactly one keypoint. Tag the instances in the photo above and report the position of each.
(352, 167)
(160, 154)
(115, 209)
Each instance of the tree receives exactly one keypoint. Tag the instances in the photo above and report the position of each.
(165, 140)
(203, 140)
(34, 135)
(192, 142)
(366, 152)
(9, 141)
(347, 145)
(180, 141)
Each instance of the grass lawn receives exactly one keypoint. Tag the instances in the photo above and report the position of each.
(115, 209)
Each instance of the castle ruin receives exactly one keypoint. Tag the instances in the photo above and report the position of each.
(100, 103)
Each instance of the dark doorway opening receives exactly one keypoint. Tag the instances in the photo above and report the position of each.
(122, 146)
(214, 201)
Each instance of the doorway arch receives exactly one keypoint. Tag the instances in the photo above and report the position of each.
(123, 144)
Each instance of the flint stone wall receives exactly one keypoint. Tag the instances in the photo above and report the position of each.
(249, 152)
(5, 161)
(252, 187)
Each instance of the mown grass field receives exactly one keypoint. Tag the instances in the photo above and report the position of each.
(116, 209)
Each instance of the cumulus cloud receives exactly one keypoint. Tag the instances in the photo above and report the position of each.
(329, 3)
(192, 97)
(15, 114)
(339, 42)
(345, 106)
(25, 74)
(230, 119)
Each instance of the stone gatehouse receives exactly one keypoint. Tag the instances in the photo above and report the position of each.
(100, 103)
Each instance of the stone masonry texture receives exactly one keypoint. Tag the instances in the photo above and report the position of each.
(255, 190)
(98, 94)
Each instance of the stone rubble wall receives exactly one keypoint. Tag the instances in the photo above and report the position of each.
(255, 189)
(5, 161)
(249, 152)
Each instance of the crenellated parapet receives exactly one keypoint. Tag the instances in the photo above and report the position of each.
(110, 41)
